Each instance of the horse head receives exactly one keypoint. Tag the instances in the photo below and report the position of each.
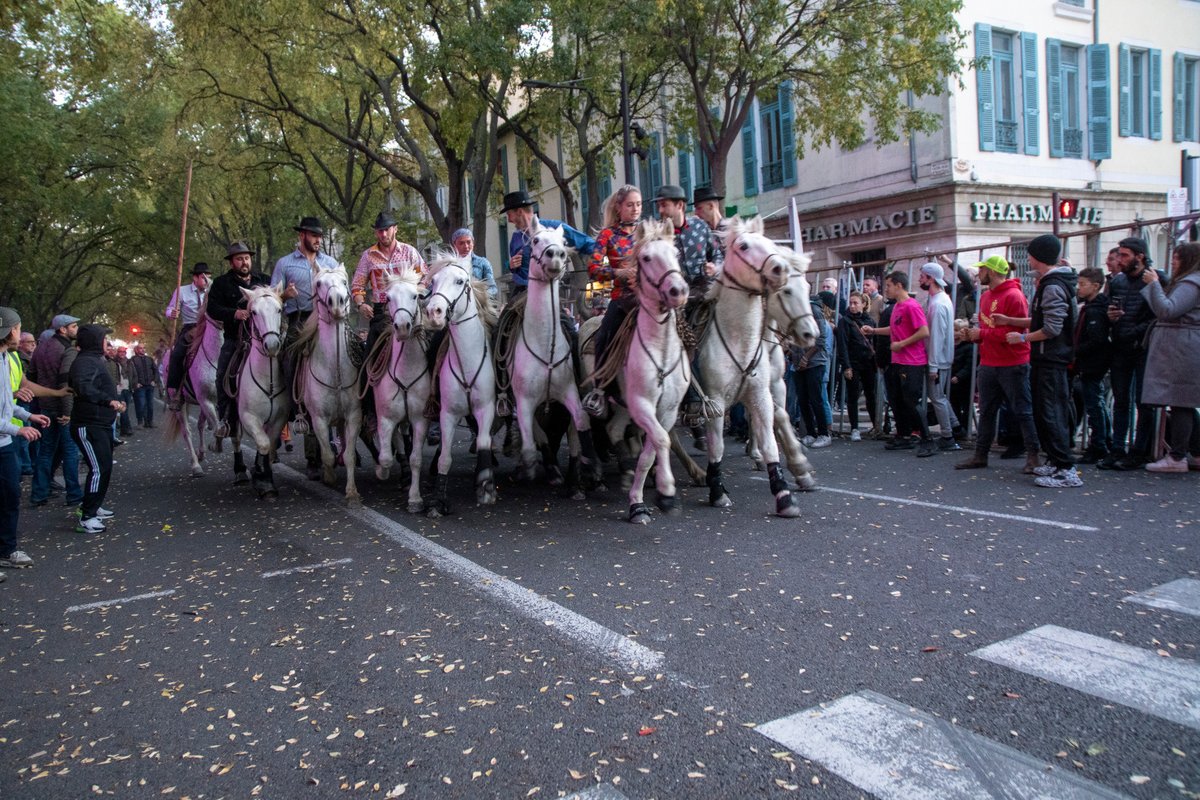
(331, 291)
(547, 253)
(790, 307)
(656, 261)
(404, 303)
(450, 293)
(265, 304)
(753, 263)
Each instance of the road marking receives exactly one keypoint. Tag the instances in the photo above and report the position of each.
(975, 512)
(306, 568)
(602, 791)
(1182, 595)
(568, 624)
(120, 601)
(1132, 676)
(898, 753)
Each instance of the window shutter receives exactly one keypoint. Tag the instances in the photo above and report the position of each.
(583, 201)
(1054, 96)
(1099, 103)
(606, 187)
(1156, 94)
(1179, 106)
(985, 87)
(787, 125)
(750, 154)
(685, 164)
(1124, 104)
(1029, 91)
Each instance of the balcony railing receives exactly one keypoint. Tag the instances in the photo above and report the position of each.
(1006, 136)
(1073, 143)
(772, 175)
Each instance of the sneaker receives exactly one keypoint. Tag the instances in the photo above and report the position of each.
(855, 436)
(1110, 461)
(821, 441)
(90, 525)
(905, 443)
(1045, 470)
(947, 444)
(1168, 464)
(807, 441)
(103, 513)
(17, 559)
(926, 449)
(1063, 479)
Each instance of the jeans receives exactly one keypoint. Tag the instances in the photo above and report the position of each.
(123, 417)
(143, 404)
(810, 393)
(1100, 439)
(1183, 433)
(1051, 389)
(10, 498)
(56, 445)
(1128, 372)
(936, 386)
(996, 385)
(908, 382)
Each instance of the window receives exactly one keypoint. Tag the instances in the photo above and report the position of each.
(1006, 92)
(1140, 75)
(1186, 118)
(1064, 95)
(772, 139)
(1007, 85)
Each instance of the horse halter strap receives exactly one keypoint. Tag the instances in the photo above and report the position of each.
(452, 304)
(728, 280)
(657, 285)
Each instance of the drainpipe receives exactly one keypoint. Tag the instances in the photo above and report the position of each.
(912, 146)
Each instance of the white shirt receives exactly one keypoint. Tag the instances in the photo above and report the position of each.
(189, 300)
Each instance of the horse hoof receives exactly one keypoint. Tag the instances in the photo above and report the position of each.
(554, 476)
(806, 483)
(240, 478)
(639, 514)
(269, 496)
(759, 466)
(787, 506)
(214, 447)
(433, 513)
(486, 494)
(354, 501)
(382, 473)
(328, 477)
(578, 495)
(197, 471)
(416, 507)
(721, 502)
(669, 505)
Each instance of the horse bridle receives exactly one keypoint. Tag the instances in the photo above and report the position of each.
(258, 340)
(451, 304)
(794, 318)
(725, 279)
(452, 323)
(657, 285)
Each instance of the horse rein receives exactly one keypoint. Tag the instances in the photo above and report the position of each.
(758, 269)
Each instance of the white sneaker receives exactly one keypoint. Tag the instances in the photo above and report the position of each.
(1168, 464)
(821, 441)
(103, 513)
(807, 441)
(90, 525)
(1045, 470)
(17, 559)
(855, 436)
(1063, 479)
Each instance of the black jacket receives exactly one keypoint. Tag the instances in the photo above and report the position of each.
(91, 381)
(225, 298)
(1129, 330)
(883, 344)
(1093, 347)
(52, 362)
(1055, 287)
(853, 349)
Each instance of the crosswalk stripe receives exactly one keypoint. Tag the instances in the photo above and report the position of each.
(1121, 673)
(1182, 595)
(899, 753)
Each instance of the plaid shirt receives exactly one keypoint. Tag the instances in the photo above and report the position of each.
(375, 266)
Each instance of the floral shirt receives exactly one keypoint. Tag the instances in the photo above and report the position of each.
(375, 266)
(615, 243)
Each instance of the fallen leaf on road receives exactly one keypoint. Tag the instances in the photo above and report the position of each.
(646, 731)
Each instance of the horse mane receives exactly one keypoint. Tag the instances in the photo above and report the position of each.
(489, 311)
(647, 231)
(308, 333)
(408, 276)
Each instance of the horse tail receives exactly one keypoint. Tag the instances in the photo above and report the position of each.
(174, 425)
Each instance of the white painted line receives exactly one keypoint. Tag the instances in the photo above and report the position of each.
(306, 568)
(601, 791)
(898, 753)
(975, 512)
(120, 601)
(1182, 595)
(566, 623)
(1121, 673)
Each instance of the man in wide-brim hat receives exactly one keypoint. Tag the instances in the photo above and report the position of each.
(227, 305)
(185, 304)
(520, 209)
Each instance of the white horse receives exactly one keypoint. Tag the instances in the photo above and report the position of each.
(402, 380)
(199, 388)
(467, 378)
(264, 402)
(542, 368)
(327, 379)
(656, 371)
(731, 354)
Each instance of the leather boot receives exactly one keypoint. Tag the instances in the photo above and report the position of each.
(976, 461)
(1031, 463)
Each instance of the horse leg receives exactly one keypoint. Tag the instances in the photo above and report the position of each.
(441, 481)
(527, 466)
(485, 461)
(353, 428)
(689, 464)
(385, 428)
(762, 421)
(655, 442)
(179, 421)
(798, 463)
(664, 478)
(321, 431)
(415, 504)
(240, 475)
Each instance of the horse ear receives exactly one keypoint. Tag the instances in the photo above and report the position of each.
(278, 288)
(535, 225)
(755, 225)
(247, 293)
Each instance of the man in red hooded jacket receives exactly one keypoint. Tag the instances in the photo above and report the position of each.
(1003, 367)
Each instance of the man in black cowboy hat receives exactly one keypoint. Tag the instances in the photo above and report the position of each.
(376, 265)
(698, 257)
(227, 305)
(185, 305)
(519, 207)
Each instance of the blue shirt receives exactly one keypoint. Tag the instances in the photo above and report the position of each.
(481, 270)
(295, 268)
(580, 242)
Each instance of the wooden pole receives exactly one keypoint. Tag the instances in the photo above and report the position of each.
(187, 197)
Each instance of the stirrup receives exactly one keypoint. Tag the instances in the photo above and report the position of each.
(692, 414)
(300, 426)
(503, 406)
(594, 403)
(222, 430)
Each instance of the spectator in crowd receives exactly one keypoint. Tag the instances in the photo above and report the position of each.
(97, 403)
(961, 399)
(144, 376)
(856, 361)
(1051, 331)
(883, 359)
(1130, 316)
(875, 301)
(1092, 355)
(26, 450)
(939, 314)
(908, 330)
(52, 360)
(11, 555)
(1173, 358)
(118, 368)
(1003, 365)
(809, 375)
(463, 242)
(1112, 262)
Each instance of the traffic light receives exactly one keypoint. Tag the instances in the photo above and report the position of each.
(1068, 207)
(134, 331)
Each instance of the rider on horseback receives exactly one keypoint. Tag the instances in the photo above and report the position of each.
(186, 304)
(227, 305)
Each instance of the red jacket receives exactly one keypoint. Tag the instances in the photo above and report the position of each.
(1008, 299)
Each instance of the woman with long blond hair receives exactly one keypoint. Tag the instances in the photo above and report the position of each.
(622, 210)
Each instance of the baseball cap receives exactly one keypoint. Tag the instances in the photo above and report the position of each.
(996, 264)
(935, 271)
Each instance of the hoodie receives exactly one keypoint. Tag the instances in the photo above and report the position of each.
(1005, 298)
(90, 380)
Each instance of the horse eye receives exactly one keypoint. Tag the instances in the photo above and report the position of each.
(646, 259)
(743, 246)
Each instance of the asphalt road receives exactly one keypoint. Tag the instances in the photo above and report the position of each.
(544, 647)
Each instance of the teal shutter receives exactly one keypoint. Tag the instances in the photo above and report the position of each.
(1156, 94)
(583, 201)
(1054, 96)
(787, 126)
(1029, 91)
(1179, 104)
(504, 167)
(606, 187)
(1099, 103)
(685, 165)
(1124, 104)
(750, 154)
(985, 87)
